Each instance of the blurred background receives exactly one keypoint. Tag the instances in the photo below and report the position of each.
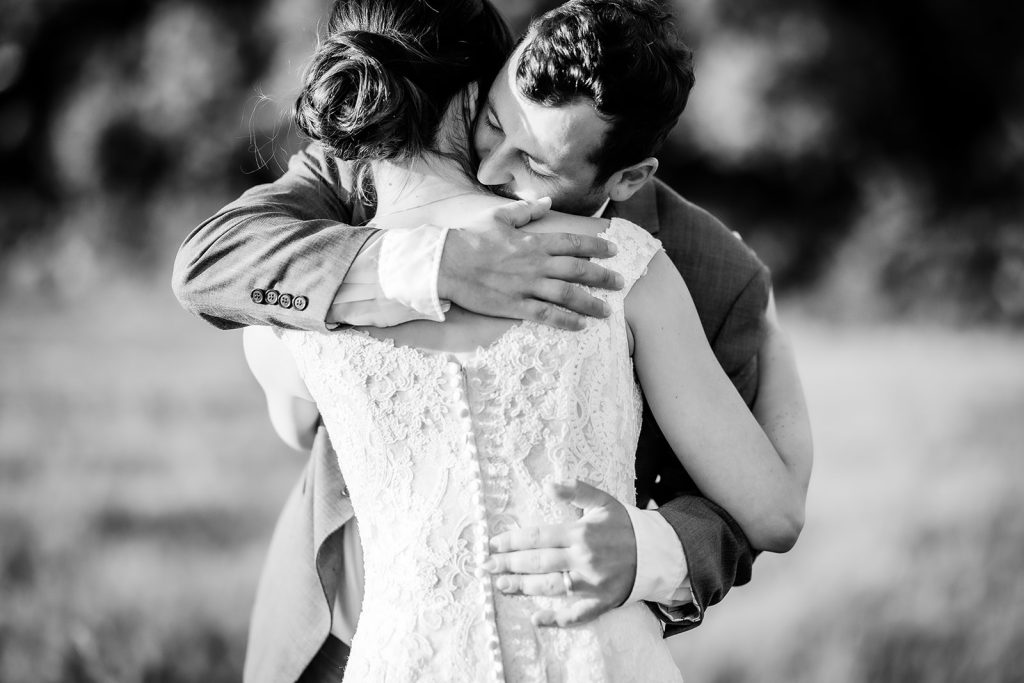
(872, 153)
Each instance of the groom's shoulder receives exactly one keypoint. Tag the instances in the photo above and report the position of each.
(315, 161)
(717, 265)
(693, 230)
(697, 240)
(315, 184)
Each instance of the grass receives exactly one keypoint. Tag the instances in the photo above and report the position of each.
(138, 488)
(139, 481)
(910, 567)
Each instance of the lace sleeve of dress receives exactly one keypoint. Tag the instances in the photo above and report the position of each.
(636, 249)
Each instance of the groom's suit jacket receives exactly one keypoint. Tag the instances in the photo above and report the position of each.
(295, 236)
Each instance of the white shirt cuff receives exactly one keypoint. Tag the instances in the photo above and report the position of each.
(662, 575)
(408, 267)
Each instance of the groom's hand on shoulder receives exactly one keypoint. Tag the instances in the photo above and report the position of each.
(497, 270)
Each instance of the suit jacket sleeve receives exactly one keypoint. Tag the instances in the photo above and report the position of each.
(718, 556)
(294, 236)
(742, 332)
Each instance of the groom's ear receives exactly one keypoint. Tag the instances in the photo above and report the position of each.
(624, 183)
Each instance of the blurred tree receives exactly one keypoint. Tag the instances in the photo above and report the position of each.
(808, 121)
(123, 100)
(927, 95)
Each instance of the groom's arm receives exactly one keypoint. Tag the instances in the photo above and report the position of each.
(292, 237)
(292, 254)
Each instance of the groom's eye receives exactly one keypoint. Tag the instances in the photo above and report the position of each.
(492, 122)
(535, 170)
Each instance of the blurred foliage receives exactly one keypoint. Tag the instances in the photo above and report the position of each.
(123, 123)
(811, 118)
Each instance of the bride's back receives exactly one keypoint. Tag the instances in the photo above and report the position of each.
(441, 454)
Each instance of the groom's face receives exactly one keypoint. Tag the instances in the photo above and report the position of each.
(528, 150)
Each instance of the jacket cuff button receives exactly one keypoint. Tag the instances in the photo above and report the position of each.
(300, 303)
(285, 301)
(258, 296)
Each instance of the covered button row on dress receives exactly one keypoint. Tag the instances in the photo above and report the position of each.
(457, 384)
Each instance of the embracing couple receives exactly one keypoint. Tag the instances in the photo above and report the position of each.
(490, 494)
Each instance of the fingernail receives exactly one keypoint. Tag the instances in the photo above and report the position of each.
(503, 584)
(620, 282)
(613, 248)
(489, 565)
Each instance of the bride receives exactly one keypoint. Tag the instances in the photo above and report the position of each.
(447, 433)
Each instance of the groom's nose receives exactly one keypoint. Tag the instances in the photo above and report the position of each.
(495, 167)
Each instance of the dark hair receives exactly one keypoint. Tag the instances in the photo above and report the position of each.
(382, 78)
(626, 57)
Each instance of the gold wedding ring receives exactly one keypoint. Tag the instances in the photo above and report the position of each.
(567, 582)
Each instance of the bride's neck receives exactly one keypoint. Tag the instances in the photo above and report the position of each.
(428, 178)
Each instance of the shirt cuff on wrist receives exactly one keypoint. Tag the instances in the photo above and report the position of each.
(662, 575)
(409, 262)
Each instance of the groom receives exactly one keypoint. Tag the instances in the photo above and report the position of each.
(577, 114)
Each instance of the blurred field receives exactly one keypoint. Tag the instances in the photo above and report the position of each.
(138, 487)
(139, 482)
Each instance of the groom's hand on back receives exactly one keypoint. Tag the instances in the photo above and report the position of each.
(598, 551)
(510, 273)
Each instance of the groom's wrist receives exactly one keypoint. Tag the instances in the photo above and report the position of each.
(661, 570)
(409, 268)
(455, 261)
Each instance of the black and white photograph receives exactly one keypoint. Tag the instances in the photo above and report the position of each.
(511, 341)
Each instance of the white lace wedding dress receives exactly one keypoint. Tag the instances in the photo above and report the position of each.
(440, 451)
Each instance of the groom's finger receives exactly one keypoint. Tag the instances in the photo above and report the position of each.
(579, 493)
(518, 213)
(572, 297)
(528, 562)
(532, 538)
(550, 314)
(534, 584)
(574, 244)
(582, 272)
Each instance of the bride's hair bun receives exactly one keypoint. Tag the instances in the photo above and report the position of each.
(381, 80)
(360, 100)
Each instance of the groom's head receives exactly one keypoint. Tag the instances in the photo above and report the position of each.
(584, 103)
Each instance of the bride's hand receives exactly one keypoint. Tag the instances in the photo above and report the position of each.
(508, 273)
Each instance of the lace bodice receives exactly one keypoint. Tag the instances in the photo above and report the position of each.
(441, 451)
